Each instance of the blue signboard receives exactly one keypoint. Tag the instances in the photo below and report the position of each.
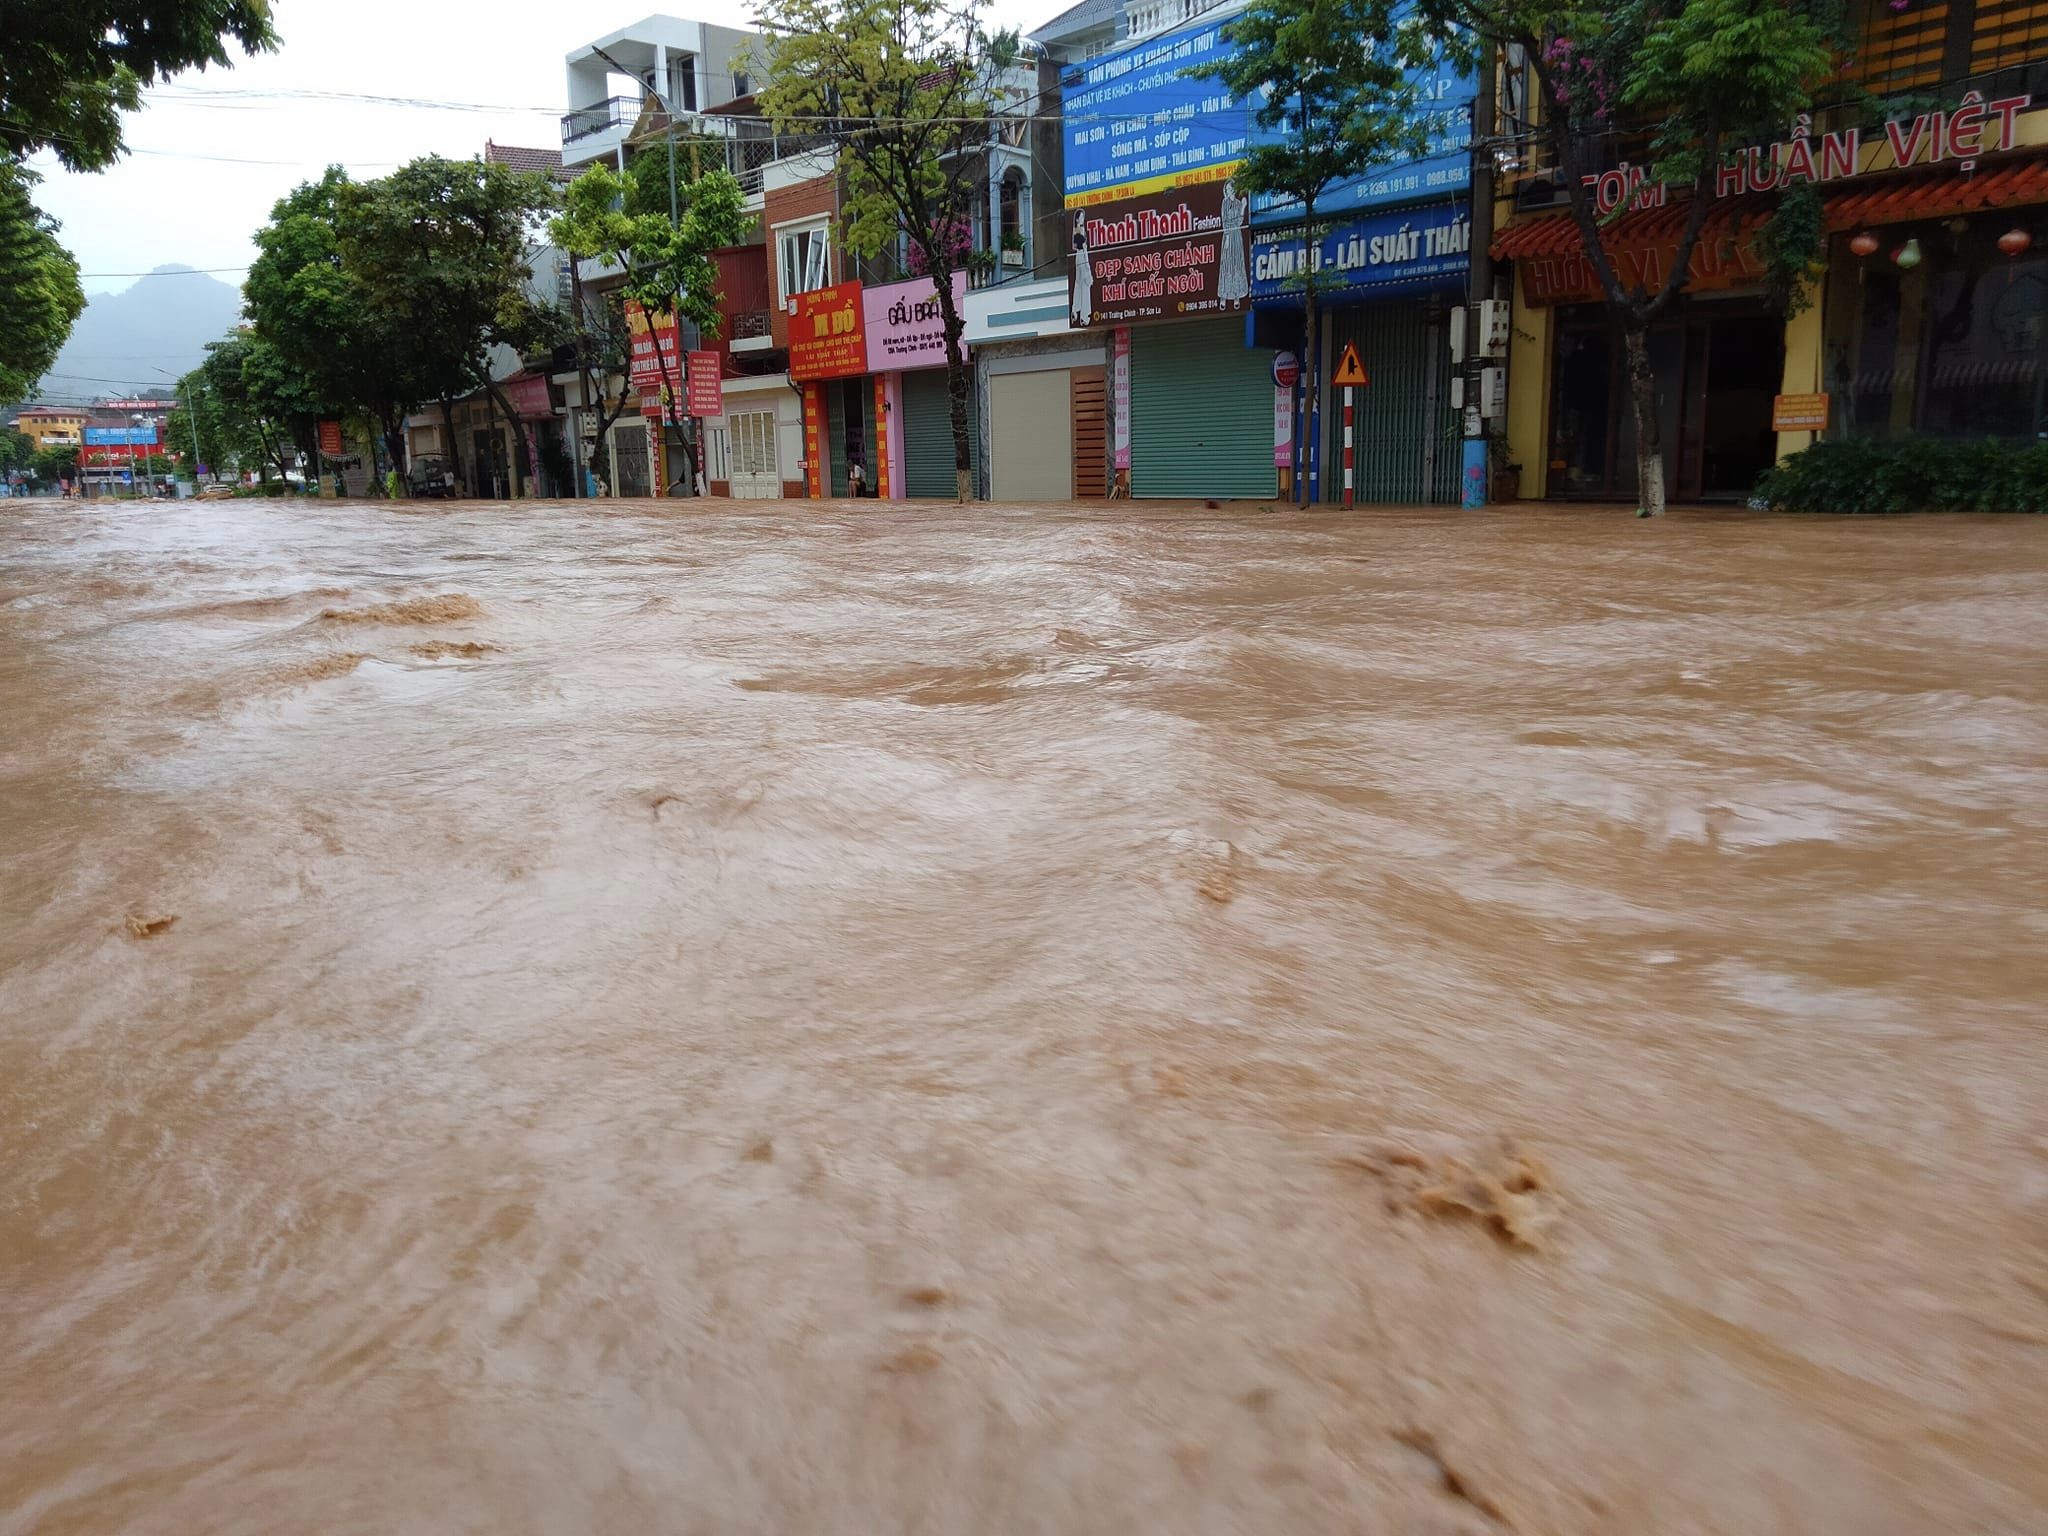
(110, 437)
(1133, 123)
(1446, 111)
(1408, 250)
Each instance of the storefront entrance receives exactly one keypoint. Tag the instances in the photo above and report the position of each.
(752, 448)
(850, 442)
(1718, 363)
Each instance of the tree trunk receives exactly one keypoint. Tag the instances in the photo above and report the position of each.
(518, 438)
(1311, 394)
(394, 443)
(958, 385)
(454, 452)
(1642, 389)
(671, 368)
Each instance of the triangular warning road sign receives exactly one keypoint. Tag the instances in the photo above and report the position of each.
(1350, 371)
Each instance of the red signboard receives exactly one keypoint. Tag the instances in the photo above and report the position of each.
(1170, 255)
(827, 334)
(814, 439)
(330, 439)
(652, 358)
(706, 386)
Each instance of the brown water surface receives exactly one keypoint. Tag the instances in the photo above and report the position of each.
(811, 1020)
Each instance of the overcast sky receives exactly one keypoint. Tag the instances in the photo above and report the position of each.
(187, 194)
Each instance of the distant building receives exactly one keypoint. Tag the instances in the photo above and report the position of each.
(50, 426)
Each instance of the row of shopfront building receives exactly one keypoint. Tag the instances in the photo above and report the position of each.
(1153, 344)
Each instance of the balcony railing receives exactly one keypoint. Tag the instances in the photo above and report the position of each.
(585, 122)
(749, 324)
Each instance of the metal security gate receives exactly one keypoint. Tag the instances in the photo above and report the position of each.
(1201, 411)
(1406, 433)
(1031, 436)
(928, 435)
(629, 458)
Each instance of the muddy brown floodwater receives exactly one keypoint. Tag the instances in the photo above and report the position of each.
(809, 1020)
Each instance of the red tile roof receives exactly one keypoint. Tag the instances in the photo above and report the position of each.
(546, 161)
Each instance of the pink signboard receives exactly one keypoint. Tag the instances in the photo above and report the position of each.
(528, 393)
(903, 324)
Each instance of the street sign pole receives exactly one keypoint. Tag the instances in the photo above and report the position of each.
(1347, 448)
(1352, 376)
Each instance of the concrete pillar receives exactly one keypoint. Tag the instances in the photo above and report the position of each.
(889, 401)
(1804, 355)
(1529, 395)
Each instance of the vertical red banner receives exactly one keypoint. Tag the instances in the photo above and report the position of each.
(814, 440)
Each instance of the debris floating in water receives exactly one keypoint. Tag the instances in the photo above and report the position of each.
(441, 608)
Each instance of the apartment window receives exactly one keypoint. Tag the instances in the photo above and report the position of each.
(804, 265)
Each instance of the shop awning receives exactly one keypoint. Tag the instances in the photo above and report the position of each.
(1927, 192)
(1557, 234)
(1939, 192)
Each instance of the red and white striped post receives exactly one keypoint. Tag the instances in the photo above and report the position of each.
(1347, 447)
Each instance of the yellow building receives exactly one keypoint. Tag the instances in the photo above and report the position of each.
(52, 426)
(1929, 318)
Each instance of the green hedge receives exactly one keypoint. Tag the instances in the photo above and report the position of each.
(1910, 475)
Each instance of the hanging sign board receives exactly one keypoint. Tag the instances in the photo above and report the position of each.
(828, 334)
(1799, 413)
(1175, 255)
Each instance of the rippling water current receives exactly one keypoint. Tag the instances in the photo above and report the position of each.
(803, 1021)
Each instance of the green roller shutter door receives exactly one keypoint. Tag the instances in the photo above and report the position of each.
(835, 439)
(928, 435)
(1405, 434)
(1201, 411)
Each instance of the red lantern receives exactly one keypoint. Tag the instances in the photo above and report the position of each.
(2014, 240)
(1864, 244)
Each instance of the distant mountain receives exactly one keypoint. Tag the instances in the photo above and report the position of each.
(126, 342)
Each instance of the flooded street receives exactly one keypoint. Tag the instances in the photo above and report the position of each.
(780, 1020)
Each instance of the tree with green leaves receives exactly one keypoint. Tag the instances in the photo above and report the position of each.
(1690, 81)
(667, 260)
(443, 248)
(904, 89)
(595, 327)
(40, 295)
(68, 70)
(54, 464)
(1335, 80)
(348, 350)
(16, 449)
(254, 381)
